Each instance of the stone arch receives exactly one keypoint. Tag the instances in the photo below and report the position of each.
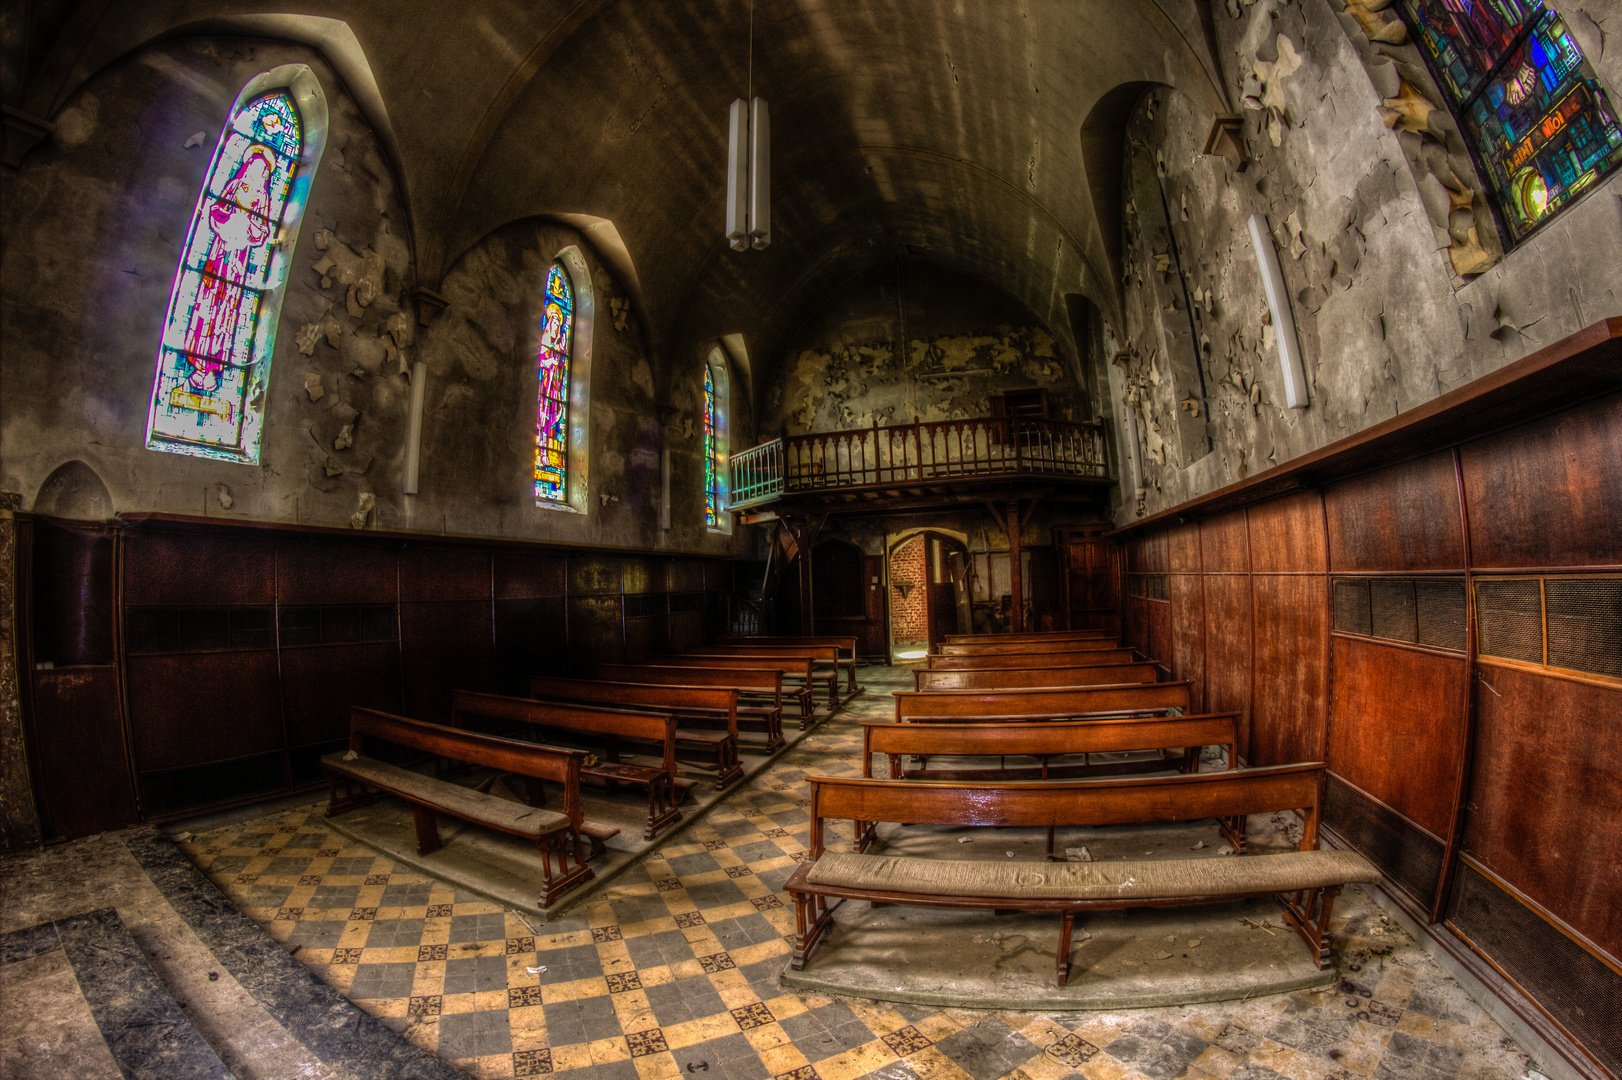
(74, 490)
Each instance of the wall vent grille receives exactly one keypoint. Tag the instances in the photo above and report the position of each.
(1441, 615)
(1391, 602)
(1425, 611)
(1352, 606)
(1581, 993)
(1585, 624)
(1509, 619)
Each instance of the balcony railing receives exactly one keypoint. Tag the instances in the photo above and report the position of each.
(903, 454)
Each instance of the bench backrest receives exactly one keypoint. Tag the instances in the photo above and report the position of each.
(1032, 648)
(493, 751)
(753, 680)
(847, 645)
(794, 666)
(1041, 703)
(713, 699)
(1035, 635)
(827, 653)
(1027, 660)
(1039, 739)
(653, 726)
(1112, 801)
(1009, 678)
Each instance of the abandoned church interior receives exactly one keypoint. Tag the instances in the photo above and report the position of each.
(811, 539)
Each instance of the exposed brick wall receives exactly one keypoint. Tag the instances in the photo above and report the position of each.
(909, 617)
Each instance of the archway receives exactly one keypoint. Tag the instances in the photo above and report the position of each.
(928, 592)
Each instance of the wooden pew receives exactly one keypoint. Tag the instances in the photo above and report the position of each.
(1012, 678)
(1033, 635)
(607, 726)
(1041, 703)
(563, 865)
(846, 646)
(1306, 881)
(685, 703)
(1042, 740)
(824, 660)
(764, 689)
(999, 648)
(787, 668)
(1025, 660)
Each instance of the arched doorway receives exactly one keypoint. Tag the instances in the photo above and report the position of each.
(929, 593)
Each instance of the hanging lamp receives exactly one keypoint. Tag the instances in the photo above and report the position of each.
(749, 181)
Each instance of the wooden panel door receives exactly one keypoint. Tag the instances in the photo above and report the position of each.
(1091, 578)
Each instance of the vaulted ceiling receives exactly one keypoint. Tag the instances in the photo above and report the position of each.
(951, 129)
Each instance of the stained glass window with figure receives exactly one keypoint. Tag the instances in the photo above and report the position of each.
(214, 357)
(712, 485)
(552, 425)
(1541, 128)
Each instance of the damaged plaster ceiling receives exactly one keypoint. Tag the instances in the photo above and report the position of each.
(946, 129)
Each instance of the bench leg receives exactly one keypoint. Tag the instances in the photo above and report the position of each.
(428, 840)
(807, 707)
(662, 808)
(813, 917)
(1308, 912)
(1233, 830)
(1051, 857)
(560, 846)
(1067, 922)
(730, 768)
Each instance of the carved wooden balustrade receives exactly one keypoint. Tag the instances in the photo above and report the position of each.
(902, 455)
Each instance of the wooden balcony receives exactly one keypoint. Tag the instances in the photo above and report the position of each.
(922, 466)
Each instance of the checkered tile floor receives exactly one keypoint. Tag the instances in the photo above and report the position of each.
(673, 970)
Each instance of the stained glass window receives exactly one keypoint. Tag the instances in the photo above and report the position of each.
(214, 356)
(1542, 130)
(552, 426)
(712, 484)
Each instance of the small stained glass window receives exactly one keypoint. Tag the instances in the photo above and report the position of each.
(552, 425)
(214, 357)
(1542, 130)
(712, 483)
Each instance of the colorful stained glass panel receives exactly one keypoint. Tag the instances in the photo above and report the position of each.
(214, 359)
(712, 487)
(1542, 130)
(552, 423)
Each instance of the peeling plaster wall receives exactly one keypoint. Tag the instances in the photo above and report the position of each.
(93, 222)
(1376, 212)
(965, 340)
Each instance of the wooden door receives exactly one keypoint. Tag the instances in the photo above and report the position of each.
(943, 612)
(1091, 577)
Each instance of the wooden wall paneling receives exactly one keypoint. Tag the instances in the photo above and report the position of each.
(1287, 535)
(194, 708)
(328, 571)
(164, 568)
(436, 572)
(687, 575)
(83, 778)
(1291, 668)
(1404, 518)
(592, 574)
(1187, 659)
(1227, 650)
(531, 639)
(1548, 494)
(1160, 632)
(445, 645)
(639, 574)
(320, 682)
(1224, 544)
(528, 575)
(1396, 727)
(1545, 803)
(1183, 549)
(596, 632)
(1137, 618)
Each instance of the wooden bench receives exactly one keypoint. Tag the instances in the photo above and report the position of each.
(846, 646)
(1042, 703)
(1011, 678)
(557, 835)
(1306, 881)
(956, 662)
(1033, 635)
(1034, 648)
(824, 660)
(609, 726)
(790, 668)
(1042, 740)
(758, 714)
(685, 703)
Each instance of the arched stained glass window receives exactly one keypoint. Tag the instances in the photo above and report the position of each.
(1541, 128)
(712, 483)
(214, 357)
(552, 425)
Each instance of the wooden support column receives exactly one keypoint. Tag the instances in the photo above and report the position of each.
(1016, 621)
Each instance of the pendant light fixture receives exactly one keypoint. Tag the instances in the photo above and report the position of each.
(749, 181)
